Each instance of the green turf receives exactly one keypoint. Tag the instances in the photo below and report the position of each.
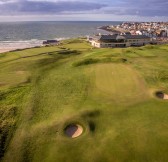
(110, 92)
(120, 83)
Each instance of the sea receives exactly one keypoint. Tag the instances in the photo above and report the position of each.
(29, 34)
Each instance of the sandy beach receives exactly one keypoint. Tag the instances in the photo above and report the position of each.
(5, 50)
(6, 46)
(2, 50)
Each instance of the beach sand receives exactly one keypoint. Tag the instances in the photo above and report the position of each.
(5, 50)
(13, 45)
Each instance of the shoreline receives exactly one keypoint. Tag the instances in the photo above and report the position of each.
(17, 49)
(8, 46)
(7, 50)
(106, 28)
(18, 45)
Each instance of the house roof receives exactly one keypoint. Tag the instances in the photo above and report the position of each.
(105, 37)
(109, 37)
(50, 41)
(119, 37)
(136, 36)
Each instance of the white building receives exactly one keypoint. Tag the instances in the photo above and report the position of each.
(109, 41)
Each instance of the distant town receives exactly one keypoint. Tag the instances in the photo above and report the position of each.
(127, 34)
(156, 30)
(130, 34)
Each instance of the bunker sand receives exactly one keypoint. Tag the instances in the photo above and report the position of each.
(73, 130)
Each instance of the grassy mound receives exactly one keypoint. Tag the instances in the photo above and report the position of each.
(41, 93)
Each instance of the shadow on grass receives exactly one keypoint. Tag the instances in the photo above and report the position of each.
(92, 126)
(69, 52)
(90, 114)
(89, 61)
(7, 126)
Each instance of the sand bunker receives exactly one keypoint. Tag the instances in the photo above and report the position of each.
(73, 130)
(162, 95)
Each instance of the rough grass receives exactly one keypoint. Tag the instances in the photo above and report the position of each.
(86, 62)
(10, 109)
(41, 93)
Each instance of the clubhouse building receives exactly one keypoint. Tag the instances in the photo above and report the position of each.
(112, 41)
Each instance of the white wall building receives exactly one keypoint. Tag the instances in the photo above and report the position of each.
(109, 41)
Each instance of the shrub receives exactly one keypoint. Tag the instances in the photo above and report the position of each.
(128, 51)
(151, 47)
(75, 41)
(86, 62)
(68, 52)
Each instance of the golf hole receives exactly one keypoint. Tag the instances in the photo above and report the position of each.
(161, 95)
(73, 130)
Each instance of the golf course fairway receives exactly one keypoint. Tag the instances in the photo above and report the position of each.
(75, 103)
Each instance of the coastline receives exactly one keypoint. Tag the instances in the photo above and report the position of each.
(106, 28)
(7, 46)
(5, 50)
(16, 49)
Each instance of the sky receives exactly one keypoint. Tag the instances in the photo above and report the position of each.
(83, 10)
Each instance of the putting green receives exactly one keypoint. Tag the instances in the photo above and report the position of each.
(120, 83)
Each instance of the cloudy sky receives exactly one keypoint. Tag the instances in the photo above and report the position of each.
(74, 10)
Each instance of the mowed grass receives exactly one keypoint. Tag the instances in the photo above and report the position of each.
(112, 98)
(120, 83)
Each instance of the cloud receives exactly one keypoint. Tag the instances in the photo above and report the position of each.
(141, 8)
(46, 7)
(6, 1)
(115, 8)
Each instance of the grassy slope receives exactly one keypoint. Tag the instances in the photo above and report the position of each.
(112, 98)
